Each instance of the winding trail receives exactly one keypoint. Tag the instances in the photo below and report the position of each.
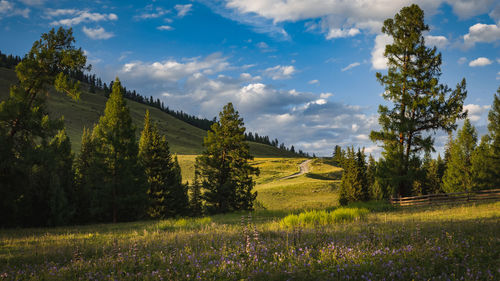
(304, 168)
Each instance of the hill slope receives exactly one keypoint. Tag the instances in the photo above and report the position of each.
(183, 138)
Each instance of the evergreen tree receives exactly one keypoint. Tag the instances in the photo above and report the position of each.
(338, 156)
(371, 172)
(28, 135)
(483, 173)
(353, 186)
(122, 194)
(494, 133)
(196, 200)
(421, 104)
(223, 167)
(458, 175)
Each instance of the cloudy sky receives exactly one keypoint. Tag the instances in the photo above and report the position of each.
(300, 71)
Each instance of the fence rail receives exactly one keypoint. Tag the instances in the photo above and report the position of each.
(447, 198)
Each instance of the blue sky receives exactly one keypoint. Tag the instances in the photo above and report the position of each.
(299, 71)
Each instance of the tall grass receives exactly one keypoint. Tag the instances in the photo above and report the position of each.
(323, 218)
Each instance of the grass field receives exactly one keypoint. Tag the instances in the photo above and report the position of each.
(364, 241)
(182, 137)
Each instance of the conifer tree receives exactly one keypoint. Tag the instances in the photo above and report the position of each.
(483, 174)
(353, 187)
(223, 167)
(122, 195)
(458, 174)
(421, 104)
(494, 134)
(338, 155)
(371, 172)
(26, 130)
(196, 201)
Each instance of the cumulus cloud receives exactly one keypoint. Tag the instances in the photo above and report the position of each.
(479, 32)
(378, 59)
(352, 65)
(83, 16)
(97, 33)
(438, 41)
(183, 10)
(339, 33)
(173, 70)
(165, 27)
(475, 111)
(482, 61)
(279, 72)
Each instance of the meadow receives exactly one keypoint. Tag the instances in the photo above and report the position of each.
(295, 234)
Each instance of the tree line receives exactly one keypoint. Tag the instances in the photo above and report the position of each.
(421, 106)
(114, 177)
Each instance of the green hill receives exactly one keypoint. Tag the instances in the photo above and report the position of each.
(183, 138)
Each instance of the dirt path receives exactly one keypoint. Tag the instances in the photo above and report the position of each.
(304, 168)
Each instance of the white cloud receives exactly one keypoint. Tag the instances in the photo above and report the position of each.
(352, 65)
(378, 59)
(315, 81)
(498, 76)
(339, 33)
(439, 41)
(279, 72)
(262, 45)
(85, 16)
(479, 32)
(8, 9)
(97, 33)
(5, 6)
(462, 60)
(165, 27)
(172, 70)
(152, 13)
(475, 112)
(482, 61)
(60, 12)
(183, 10)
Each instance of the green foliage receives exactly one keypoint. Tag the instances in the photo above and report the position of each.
(494, 133)
(323, 218)
(458, 175)
(121, 195)
(338, 156)
(223, 167)
(162, 173)
(421, 104)
(196, 200)
(354, 186)
(36, 170)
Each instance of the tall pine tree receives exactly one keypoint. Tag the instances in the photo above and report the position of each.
(167, 196)
(122, 194)
(421, 104)
(223, 167)
(494, 133)
(458, 175)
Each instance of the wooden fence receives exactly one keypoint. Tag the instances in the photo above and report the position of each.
(447, 198)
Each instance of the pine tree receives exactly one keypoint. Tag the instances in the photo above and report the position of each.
(458, 175)
(494, 134)
(196, 200)
(421, 104)
(353, 186)
(26, 131)
(371, 172)
(338, 155)
(223, 167)
(483, 174)
(122, 195)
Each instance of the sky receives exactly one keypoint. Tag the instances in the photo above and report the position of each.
(300, 71)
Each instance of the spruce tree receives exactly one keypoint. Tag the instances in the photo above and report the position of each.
(353, 185)
(223, 167)
(458, 175)
(483, 174)
(27, 131)
(122, 195)
(421, 104)
(371, 172)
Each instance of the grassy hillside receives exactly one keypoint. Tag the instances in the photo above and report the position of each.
(183, 138)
